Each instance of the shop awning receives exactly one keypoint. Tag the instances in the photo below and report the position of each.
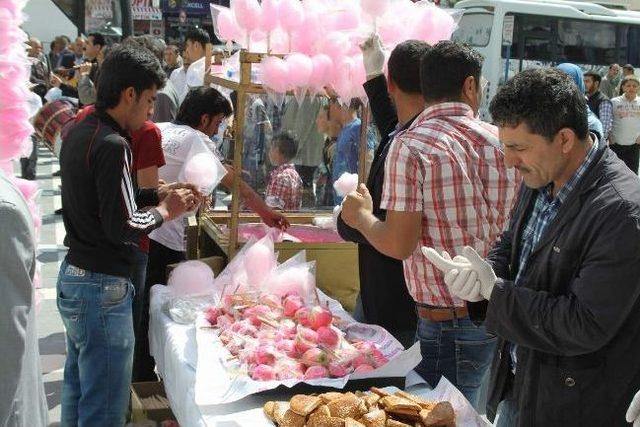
(145, 13)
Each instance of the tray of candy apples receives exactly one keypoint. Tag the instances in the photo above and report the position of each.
(283, 338)
(376, 408)
(272, 327)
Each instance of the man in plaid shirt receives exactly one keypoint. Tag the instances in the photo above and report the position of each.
(285, 185)
(446, 185)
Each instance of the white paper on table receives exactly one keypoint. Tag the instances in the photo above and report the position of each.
(219, 381)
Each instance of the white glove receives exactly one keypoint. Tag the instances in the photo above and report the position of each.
(633, 413)
(462, 287)
(372, 56)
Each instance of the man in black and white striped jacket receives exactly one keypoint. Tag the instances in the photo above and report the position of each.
(104, 215)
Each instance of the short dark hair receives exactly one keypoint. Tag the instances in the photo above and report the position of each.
(98, 39)
(154, 44)
(198, 35)
(355, 104)
(287, 144)
(628, 67)
(545, 99)
(202, 100)
(124, 67)
(404, 65)
(173, 47)
(445, 67)
(595, 76)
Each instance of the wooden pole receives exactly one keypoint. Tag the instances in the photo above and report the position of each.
(238, 121)
(363, 149)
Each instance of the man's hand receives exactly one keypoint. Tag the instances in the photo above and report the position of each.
(274, 219)
(458, 277)
(164, 189)
(372, 56)
(356, 206)
(85, 68)
(177, 202)
(633, 413)
(55, 80)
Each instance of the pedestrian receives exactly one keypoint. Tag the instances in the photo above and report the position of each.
(625, 132)
(329, 128)
(446, 184)
(575, 72)
(384, 296)
(284, 189)
(598, 102)
(627, 70)
(561, 286)
(195, 46)
(103, 224)
(611, 81)
(198, 119)
(346, 156)
(90, 69)
(172, 58)
(22, 398)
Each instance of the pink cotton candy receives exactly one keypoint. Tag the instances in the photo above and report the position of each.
(375, 8)
(392, 31)
(263, 373)
(431, 23)
(322, 72)
(300, 68)
(247, 14)
(259, 261)
(29, 189)
(204, 171)
(275, 72)
(191, 277)
(227, 26)
(270, 15)
(347, 183)
(345, 17)
(291, 15)
(304, 39)
(335, 45)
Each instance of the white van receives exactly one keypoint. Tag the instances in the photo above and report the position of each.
(514, 35)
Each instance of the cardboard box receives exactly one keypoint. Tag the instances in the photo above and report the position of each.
(149, 402)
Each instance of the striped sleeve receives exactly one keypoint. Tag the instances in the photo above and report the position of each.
(120, 217)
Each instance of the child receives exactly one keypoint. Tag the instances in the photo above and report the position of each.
(284, 190)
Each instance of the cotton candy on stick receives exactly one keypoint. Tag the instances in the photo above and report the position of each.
(347, 183)
(291, 16)
(204, 171)
(248, 16)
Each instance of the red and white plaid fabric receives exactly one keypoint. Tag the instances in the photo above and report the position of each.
(285, 188)
(449, 166)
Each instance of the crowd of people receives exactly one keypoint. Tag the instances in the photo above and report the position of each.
(506, 249)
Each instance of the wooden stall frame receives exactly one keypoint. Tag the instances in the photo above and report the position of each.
(243, 87)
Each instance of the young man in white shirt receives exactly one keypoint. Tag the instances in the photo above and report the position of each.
(625, 132)
(198, 119)
(195, 44)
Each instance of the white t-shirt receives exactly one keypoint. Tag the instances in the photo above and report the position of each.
(179, 80)
(626, 120)
(179, 144)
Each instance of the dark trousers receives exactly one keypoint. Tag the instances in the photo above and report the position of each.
(629, 154)
(159, 258)
(28, 164)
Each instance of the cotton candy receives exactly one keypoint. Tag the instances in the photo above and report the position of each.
(347, 183)
(190, 277)
(300, 69)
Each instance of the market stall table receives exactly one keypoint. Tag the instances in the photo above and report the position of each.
(174, 348)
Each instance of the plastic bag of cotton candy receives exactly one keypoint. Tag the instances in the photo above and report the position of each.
(191, 285)
(251, 266)
(295, 276)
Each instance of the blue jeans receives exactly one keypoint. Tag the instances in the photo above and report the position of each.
(458, 350)
(507, 413)
(96, 312)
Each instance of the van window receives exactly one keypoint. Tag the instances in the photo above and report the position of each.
(474, 29)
